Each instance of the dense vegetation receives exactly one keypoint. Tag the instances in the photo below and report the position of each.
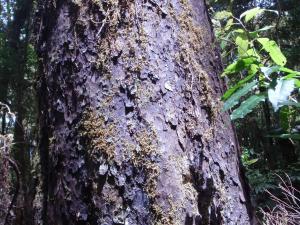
(260, 50)
(259, 42)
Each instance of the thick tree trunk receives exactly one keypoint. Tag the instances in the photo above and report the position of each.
(131, 127)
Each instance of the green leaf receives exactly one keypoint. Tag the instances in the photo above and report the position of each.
(290, 103)
(272, 11)
(287, 70)
(251, 13)
(292, 76)
(286, 136)
(265, 28)
(223, 44)
(239, 65)
(254, 34)
(253, 69)
(250, 162)
(297, 83)
(242, 43)
(234, 99)
(252, 52)
(228, 24)
(274, 51)
(230, 91)
(240, 31)
(222, 15)
(226, 40)
(247, 106)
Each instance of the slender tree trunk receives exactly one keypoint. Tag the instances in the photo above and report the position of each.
(268, 150)
(24, 210)
(18, 41)
(131, 126)
(5, 146)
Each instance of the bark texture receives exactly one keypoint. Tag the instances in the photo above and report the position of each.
(131, 128)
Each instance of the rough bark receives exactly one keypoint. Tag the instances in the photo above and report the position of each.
(131, 126)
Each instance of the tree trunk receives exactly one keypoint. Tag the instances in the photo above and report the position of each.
(131, 126)
(18, 38)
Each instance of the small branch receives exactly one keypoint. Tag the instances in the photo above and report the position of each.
(240, 22)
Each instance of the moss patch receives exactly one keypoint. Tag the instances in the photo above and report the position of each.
(191, 43)
(100, 135)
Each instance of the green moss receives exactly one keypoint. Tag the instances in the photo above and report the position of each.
(191, 44)
(143, 155)
(100, 135)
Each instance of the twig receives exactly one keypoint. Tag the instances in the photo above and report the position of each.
(287, 210)
(103, 24)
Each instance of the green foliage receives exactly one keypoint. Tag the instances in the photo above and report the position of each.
(240, 65)
(274, 51)
(231, 90)
(234, 99)
(261, 46)
(242, 43)
(286, 136)
(260, 177)
(248, 157)
(251, 13)
(222, 15)
(285, 116)
(247, 106)
(258, 62)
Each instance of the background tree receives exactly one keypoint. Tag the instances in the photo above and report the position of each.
(17, 69)
(131, 128)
